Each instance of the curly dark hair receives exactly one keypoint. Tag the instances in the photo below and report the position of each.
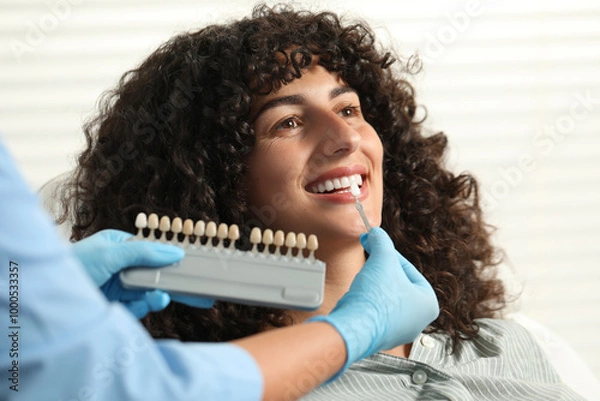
(173, 138)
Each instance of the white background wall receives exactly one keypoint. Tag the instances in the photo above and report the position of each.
(515, 85)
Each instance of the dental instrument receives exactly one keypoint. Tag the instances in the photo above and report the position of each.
(355, 192)
(263, 275)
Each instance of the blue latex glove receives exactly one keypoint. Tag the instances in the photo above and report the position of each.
(107, 252)
(389, 302)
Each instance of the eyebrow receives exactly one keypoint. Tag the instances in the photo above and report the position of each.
(298, 99)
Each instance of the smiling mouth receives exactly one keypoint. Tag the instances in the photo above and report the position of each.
(335, 185)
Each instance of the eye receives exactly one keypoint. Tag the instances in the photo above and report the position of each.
(350, 111)
(288, 123)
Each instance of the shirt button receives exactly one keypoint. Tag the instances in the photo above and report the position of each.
(419, 377)
(427, 341)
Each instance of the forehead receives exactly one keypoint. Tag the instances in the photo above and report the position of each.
(314, 80)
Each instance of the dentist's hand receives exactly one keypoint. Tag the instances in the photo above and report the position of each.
(389, 302)
(107, 252)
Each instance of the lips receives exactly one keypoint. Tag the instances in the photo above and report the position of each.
(334, 185)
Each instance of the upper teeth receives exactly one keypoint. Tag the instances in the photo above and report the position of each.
(336, 183)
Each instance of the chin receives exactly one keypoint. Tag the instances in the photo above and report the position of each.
(348, 233)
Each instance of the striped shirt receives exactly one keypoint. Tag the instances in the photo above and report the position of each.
(503, 362)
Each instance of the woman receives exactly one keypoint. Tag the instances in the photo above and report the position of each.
(255, 123)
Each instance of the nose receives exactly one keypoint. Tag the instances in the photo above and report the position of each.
(339, 137)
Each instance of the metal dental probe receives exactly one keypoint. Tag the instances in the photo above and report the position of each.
(355, 192)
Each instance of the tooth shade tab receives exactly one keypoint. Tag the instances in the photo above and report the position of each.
(278, 240)
(301, 241)
(255, 236)
(357, 178)
(233, 235)
(199, 231)
(141, 222)
(153, 221)
(312, 245)
(339, 183)
(199, 228)
(211, 232)
(177, 225)
(222, 231)
(267, 238)
(290, 242)
(187, 229)
(153, 224)
(164, 226)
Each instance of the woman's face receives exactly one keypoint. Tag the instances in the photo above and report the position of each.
(310, 138)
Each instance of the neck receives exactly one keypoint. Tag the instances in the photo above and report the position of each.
(344, 261)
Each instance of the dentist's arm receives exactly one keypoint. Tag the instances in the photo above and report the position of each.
(70, 343)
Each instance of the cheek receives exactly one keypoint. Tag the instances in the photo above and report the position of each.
(267, 175)
(373, 147)
(374, 150)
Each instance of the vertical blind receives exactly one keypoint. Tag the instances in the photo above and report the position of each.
(515, 85)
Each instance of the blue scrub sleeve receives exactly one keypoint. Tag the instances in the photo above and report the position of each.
(62, 340)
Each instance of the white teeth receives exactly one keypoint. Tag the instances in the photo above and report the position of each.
(337, 183)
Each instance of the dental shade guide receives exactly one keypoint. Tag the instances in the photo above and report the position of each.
(356, 192)
(264, 275)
